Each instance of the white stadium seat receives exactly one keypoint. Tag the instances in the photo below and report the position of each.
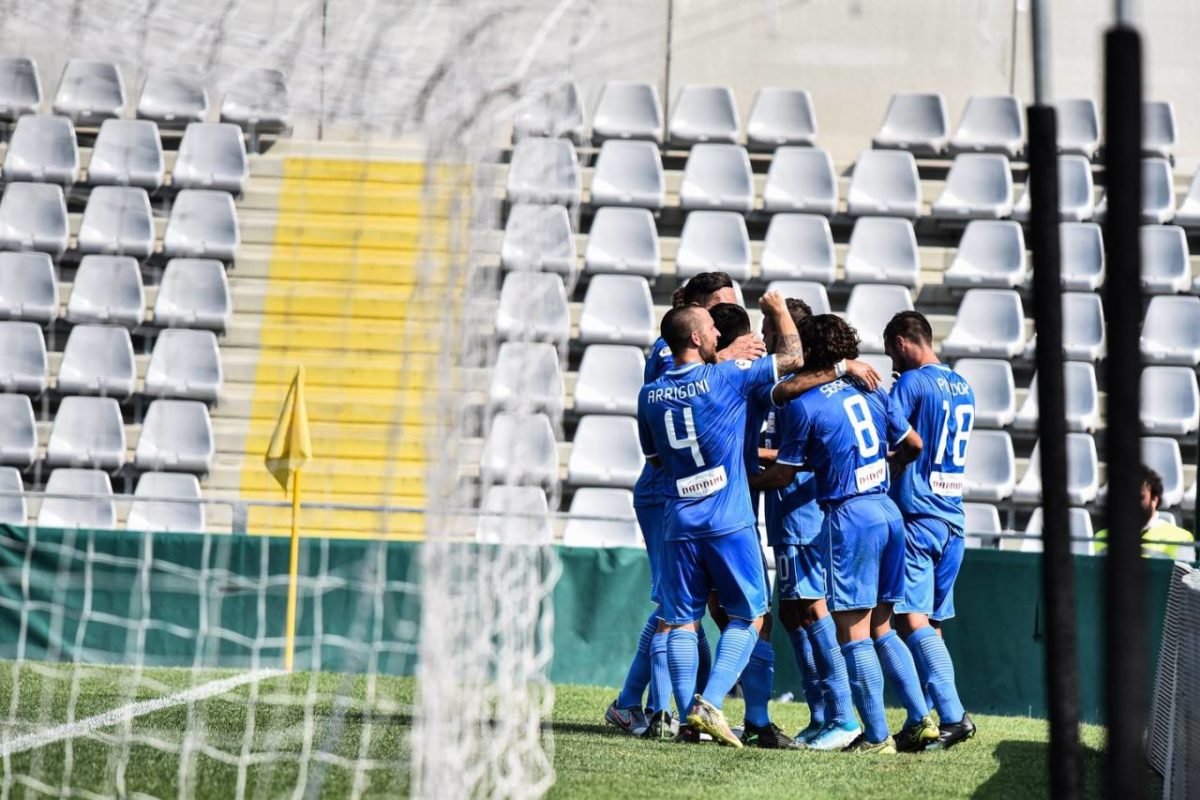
(33, 216)
(203, 224)
(584, 530)
(606, 451)
(714, 241)
(704, 114)
(538, 237)
(628, 111)
(13, 510)
(1170, 401)
(991, 469)
(153, 510)
(884, 183)
(28, 287)
(991, 253)
(995, 390)
(127, 152)
(514, 515)
(527, 377)
(107, 290)
(1171, 331)
(18, 431)
(257, 101)
(1188, 213)
(871, 307)
(1082, 533)
(533, 307)
(194, 293)
(172, 100)
(185, 364)
(20, 87)
(623, 240)
(799, 247)
(1083, 472)
(629, 173)
(1078, 127)
(556, 112)
(1158, 193)
(23, 364)
(994, 124)
(88, 432)
(1166, 261)
(95, 509)
(1159, 136)
(176, 435)
(211, 156)
(981, 525)
(1083, 327)
(1081, 249)
(801, 179)
(544, 171)
(117, 221)
(915, 122)
(812, 293)
(617, 309)
(989, 323)
(520, 449)
(1082, 399)
(610, 377)
(98, 359)
(717, 176)
(90, 91)
(883, 250)
(42, 149)
(781, 118)
(979, 186)
(1076, 200)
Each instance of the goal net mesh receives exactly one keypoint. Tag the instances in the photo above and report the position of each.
(1173, 741)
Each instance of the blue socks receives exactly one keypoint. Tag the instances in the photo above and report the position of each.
(704, 668)
(866, 684)
(733, 653)
(757, 682)
(933, 660)
(682, 659)
(901, 672)
(660, 675)
(806, 660)
(639, 671)
(831, 665)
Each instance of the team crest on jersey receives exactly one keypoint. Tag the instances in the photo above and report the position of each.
(742, 363)
(666, 351)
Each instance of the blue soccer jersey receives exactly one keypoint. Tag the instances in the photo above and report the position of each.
(793, 516)
(940, 406)
(693, 419)
(648, 491)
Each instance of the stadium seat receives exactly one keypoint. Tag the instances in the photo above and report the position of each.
(520, 449)
(714, 241)
(799, 247)
(1083, 468)
(194, 293)
(211, 156)
(979, 186)
(621, 530)
(617, 309)
(33, 216)
(989, 323)
(1080, 522)
(98, 359)
(914, 122)
(1082, 399)
(18, 431)
(1171, 331)
(176, 435)
(1083, 327)
(28, 287)
(556, 112)
(991, 253)
(1163, 455)
(127, 152)
(1166, 262)
(884, 183)
(1081, 249)
(514, 515)
(991, 469)
(623, 240)
(717, 176)
(20, 87)
(1170, 401)
(781, 118)
(153, 510)
(981, 527)
(23, 365)
(538, 237)
(42, 149)
(203, 224)
(171, 100)
(883, 250)
(628, 111)
(107, 290)
(1158, 128)
(704, 114)
(90, 92)
(1188, 213)
(533, 307)
(606, 451)
(527, 377)
(810, 292)
(1158, 194)
(995, 390)
(13, 510)
(96, 510)
(801, 179)
(869, 309)
(990, 125)
(629, 174)
(185, 364)
(1189, 498)
(117, 221)
(88, 432)
(258, 102)
(610, 377)
(1078, 127)
(544, 171)
(1075, 191)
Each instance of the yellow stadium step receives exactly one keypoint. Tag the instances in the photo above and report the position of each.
(327, 367)
(337, 523)
(413, 173)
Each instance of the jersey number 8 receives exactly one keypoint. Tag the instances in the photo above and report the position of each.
(864, 427)
(964, 420)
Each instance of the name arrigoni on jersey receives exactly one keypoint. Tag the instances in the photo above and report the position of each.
(682, 392)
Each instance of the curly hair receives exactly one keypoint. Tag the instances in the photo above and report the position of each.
(798, 309)
(827, 340)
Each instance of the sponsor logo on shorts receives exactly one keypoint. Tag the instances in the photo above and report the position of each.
(702, 484)
(946, 484)
(871, 475)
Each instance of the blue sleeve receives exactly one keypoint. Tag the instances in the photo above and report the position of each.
(897, 424)
(746, 376)
(904, 394)
(660, 361)
(792, 424)
(644, 434)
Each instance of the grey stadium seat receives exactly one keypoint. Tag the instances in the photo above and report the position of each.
(544, 171)
(812, 293)
(194, 293)
(1163, 455)
(185, 364)
(88, 432)
(1158, 193)
(981, 525)
(1188, 213)
(1082, 399)
(23, 364)
(914, 122)
(979, 186)
(1075, 191)
(527, 377)
(1083, 472)
(1158, 128)
(172, 101)
(28, 287)
(13, 510)
(623, 240)
(989, 323)
(717, 176)
(520, 449)
(1171, 331)
(714, 241)
(799, 247)
(258, 101)
(203, 224)
(884, 183)
(995, 390)
(628, 111)
(606, 451)
(96, 510)
(629, 174)
(991, 253)
(153, 510)
(108, 290)
(538, 237)
(18, 431)
(883, 250)
(176, 435)
(117, 221)
(555, 112)
(584, 530)
(533, 307)
(98, 359)
(617, 309)
(1166, 261)
(704, 114)
(1081, 248)
(514, 515)
(42, 149)
(781, 118)
(993, 124)
(33, 216)
(801, 179)
(211, 156)
(869, 309)
(1078, 127)
(1080, 523)
(610, 376)
(1170, 401)
(991, 468)
(90, 91)
(127, 152)
(1083, 326)
(20, 87)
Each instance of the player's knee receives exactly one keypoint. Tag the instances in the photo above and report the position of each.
(881, 621)
(791, 614)
(812, 612)
(906, 624)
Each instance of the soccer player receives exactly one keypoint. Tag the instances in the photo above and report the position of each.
(940, 406)
(1160, 537)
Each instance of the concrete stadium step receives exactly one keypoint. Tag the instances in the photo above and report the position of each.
(254, 331)
(330, 404)
(324, 367)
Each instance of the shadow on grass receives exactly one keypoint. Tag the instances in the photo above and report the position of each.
(1024, 765)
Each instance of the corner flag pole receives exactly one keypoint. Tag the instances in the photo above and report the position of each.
(289, 647)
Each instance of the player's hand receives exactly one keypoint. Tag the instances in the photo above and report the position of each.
(747, 346)
(773, 303)
(865, 374)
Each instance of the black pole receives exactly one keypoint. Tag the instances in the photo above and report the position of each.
(1126, 649)
(1058, 569)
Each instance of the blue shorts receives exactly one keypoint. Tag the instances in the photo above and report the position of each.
(650, 520)
(933, 555)
(865, 560)
(731, 565)
(800, 569)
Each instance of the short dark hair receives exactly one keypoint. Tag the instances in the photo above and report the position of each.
(798, 309)
(731, 321)
(1153, 480)
(705, 285)
(677, 326)
(910, 325)
(827, 339)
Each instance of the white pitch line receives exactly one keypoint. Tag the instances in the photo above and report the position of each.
(116, 716)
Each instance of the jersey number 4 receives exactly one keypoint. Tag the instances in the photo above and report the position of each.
(689, 440)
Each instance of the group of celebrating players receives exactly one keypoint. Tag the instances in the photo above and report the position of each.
(862, 495)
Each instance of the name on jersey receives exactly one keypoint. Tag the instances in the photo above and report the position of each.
(871, 475)
(946, 484)
(954, 388)
(833, 387)
(702, 484)
(681, 392)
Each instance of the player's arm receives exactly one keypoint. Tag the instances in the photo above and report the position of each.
(644, 434)
(776, 476)
(767, 455)
(790, 354)
(905, 451)
(797, 385)
(747, 346)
